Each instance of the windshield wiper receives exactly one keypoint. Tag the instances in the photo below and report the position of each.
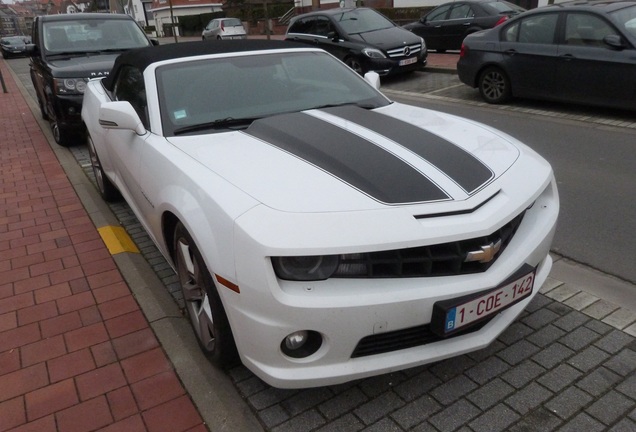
(361, 105)
(113, 50)
(85, 53)
(229, 123)
(71, 53)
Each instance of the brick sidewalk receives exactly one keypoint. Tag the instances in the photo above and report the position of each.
(76, 352)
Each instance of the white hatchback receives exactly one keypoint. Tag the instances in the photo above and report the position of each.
(223, 29)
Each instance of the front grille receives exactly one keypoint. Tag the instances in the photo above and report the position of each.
(403, 339)
(399, 52)
(446, 259)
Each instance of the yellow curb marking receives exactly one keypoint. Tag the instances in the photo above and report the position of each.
(117, 240)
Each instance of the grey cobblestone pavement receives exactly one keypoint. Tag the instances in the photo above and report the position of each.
(567, 364)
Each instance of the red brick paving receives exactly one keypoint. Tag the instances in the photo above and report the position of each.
(76, 352)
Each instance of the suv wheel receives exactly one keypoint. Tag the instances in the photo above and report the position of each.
(62, 135)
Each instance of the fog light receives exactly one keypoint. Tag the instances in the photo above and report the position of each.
(301, 343)
(296, 340)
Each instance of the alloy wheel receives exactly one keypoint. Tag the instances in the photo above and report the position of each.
(195, 294)
(494, 86)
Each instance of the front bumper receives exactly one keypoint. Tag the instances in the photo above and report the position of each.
(344, 311)
(387, 66)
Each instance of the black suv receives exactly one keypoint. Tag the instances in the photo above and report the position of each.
(67, 51)
(362, 38)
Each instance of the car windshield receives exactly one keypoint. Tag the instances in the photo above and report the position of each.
(361, 21)
(91, 35)
(626, 17)
(229, 93)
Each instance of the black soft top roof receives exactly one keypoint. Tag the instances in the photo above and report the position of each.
(141, 58)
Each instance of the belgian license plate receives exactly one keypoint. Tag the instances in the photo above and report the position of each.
(408, 61)
(454, 315)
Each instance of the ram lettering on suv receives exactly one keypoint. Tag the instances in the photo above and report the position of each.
(67, 51)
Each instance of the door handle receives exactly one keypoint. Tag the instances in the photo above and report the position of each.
(510, 52)
(568, 57)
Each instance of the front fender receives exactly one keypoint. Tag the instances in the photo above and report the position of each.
(189, 192)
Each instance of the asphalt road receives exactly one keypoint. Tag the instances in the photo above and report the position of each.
(590, 149)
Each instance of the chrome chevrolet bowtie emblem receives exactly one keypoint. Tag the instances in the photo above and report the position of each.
(486, 254)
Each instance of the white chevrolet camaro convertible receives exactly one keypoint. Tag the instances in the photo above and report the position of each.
(321, 233)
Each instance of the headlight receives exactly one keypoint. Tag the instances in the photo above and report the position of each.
(373, 53)
(423, 44)
(305, 268)
(70, 86)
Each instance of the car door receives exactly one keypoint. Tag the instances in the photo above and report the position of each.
(529, 50)
(589, 70)
(430, 27)
(460, 18)
(318, 30)
(125, 146)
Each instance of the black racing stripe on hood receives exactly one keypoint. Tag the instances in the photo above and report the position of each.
(459, 165)
(347, 156)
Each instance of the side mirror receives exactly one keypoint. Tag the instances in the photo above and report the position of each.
(614, 41)
(333, 36)
(373, 78)
(32, 49)
(120, 115)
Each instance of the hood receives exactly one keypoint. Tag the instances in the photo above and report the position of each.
(386, 39)
(348, 158)
(82, 66)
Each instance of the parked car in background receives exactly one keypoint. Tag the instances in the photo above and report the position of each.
(318, 230)
(13, 46)
(362, 38)
(582, 52)
(446, 26)
(68, 50)
(224, 28)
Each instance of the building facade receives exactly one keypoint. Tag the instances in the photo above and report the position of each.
(166, 13)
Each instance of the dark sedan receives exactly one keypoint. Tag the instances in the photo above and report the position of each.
(13, 46)
(576, 52)
(446, 26)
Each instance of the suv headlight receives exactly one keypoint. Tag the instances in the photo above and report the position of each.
(70, 86)
(373, 53)
(423, 44)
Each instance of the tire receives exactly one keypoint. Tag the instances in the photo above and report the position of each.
(62, 135)
(354, 64)
(106, 189)
(202, 301)
(494, 86)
